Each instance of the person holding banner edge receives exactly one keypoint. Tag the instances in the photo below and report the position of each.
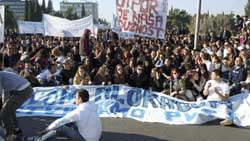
(216, 90)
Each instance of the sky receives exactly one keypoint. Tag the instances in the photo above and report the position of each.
(107, 7)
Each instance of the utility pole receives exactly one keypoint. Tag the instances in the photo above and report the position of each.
(197, 27)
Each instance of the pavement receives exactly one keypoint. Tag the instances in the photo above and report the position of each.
(117, 129)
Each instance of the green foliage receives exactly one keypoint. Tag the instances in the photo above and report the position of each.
(58, 14)
(214, 23)
(70, 14)
(247, 8)
(83, 11)
(178, 18)
(10, 20)
(43, 8)
(50, 7)
(27, 12)
(103, 21)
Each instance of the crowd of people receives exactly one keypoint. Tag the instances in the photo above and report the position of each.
(216, 69)
(171, 66)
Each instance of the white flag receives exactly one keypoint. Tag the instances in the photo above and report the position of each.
(1, 24)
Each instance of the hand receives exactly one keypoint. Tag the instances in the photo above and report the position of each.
(216, 91)
(209, 85)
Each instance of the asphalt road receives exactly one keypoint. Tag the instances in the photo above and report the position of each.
(116, 129)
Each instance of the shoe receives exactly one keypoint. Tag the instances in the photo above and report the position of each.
(11, 137)
(34, 138)
(226, 122)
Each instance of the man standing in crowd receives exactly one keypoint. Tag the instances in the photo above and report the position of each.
(19, 90)
(85, 117)
(217, 90)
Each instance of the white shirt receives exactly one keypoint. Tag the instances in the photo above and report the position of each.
(221, 86)
(86, 118)
(209, 65)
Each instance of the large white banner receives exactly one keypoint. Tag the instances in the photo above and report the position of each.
(60, 27)
(142, 17)
(26, 27)
(115, 28)
(2, 24)
(146, 106)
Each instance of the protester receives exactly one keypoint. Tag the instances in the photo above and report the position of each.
(81, 124)
(16, 90)
(217, 90)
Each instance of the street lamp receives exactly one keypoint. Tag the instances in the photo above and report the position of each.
(197, 27)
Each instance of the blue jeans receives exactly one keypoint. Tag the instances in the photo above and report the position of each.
(69, 132)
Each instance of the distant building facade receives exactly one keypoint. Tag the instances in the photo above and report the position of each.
(91, 8)
(17, 7)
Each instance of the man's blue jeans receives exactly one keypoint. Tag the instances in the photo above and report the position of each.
(69, 132)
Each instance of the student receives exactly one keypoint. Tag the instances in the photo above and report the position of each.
(85, 117)
(217, 90)
(19, 90)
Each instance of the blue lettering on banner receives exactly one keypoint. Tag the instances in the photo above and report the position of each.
(172, 115)
(190, 117)
(170, 103)
(115, 92)
(116, 109)
(196, 105)
(138, 97)
(183, 107)
(227, 103)
(213, 104)
(149, 97)
(107, 92)
(138, 113)
(124, 101)
(99, 93)
(208, 112)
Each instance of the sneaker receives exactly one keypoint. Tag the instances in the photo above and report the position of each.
(34, 138)
(11, 137)
(226, 122)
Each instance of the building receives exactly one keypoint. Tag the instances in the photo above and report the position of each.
(15, 6)
(91, 8)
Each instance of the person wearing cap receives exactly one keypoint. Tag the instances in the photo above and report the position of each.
(15, 90)
(84, 119)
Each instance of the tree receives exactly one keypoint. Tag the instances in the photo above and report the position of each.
(70, 14)
(103, 21)
(247, 8)
(10, 20)
(213, 23)
(32, 7)
(39, 12)
(83, 11)
(67, 13)
(35, 10)
(50, 7)
(26, 12)
(58, 14)
(179, 19)
(43, 8)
